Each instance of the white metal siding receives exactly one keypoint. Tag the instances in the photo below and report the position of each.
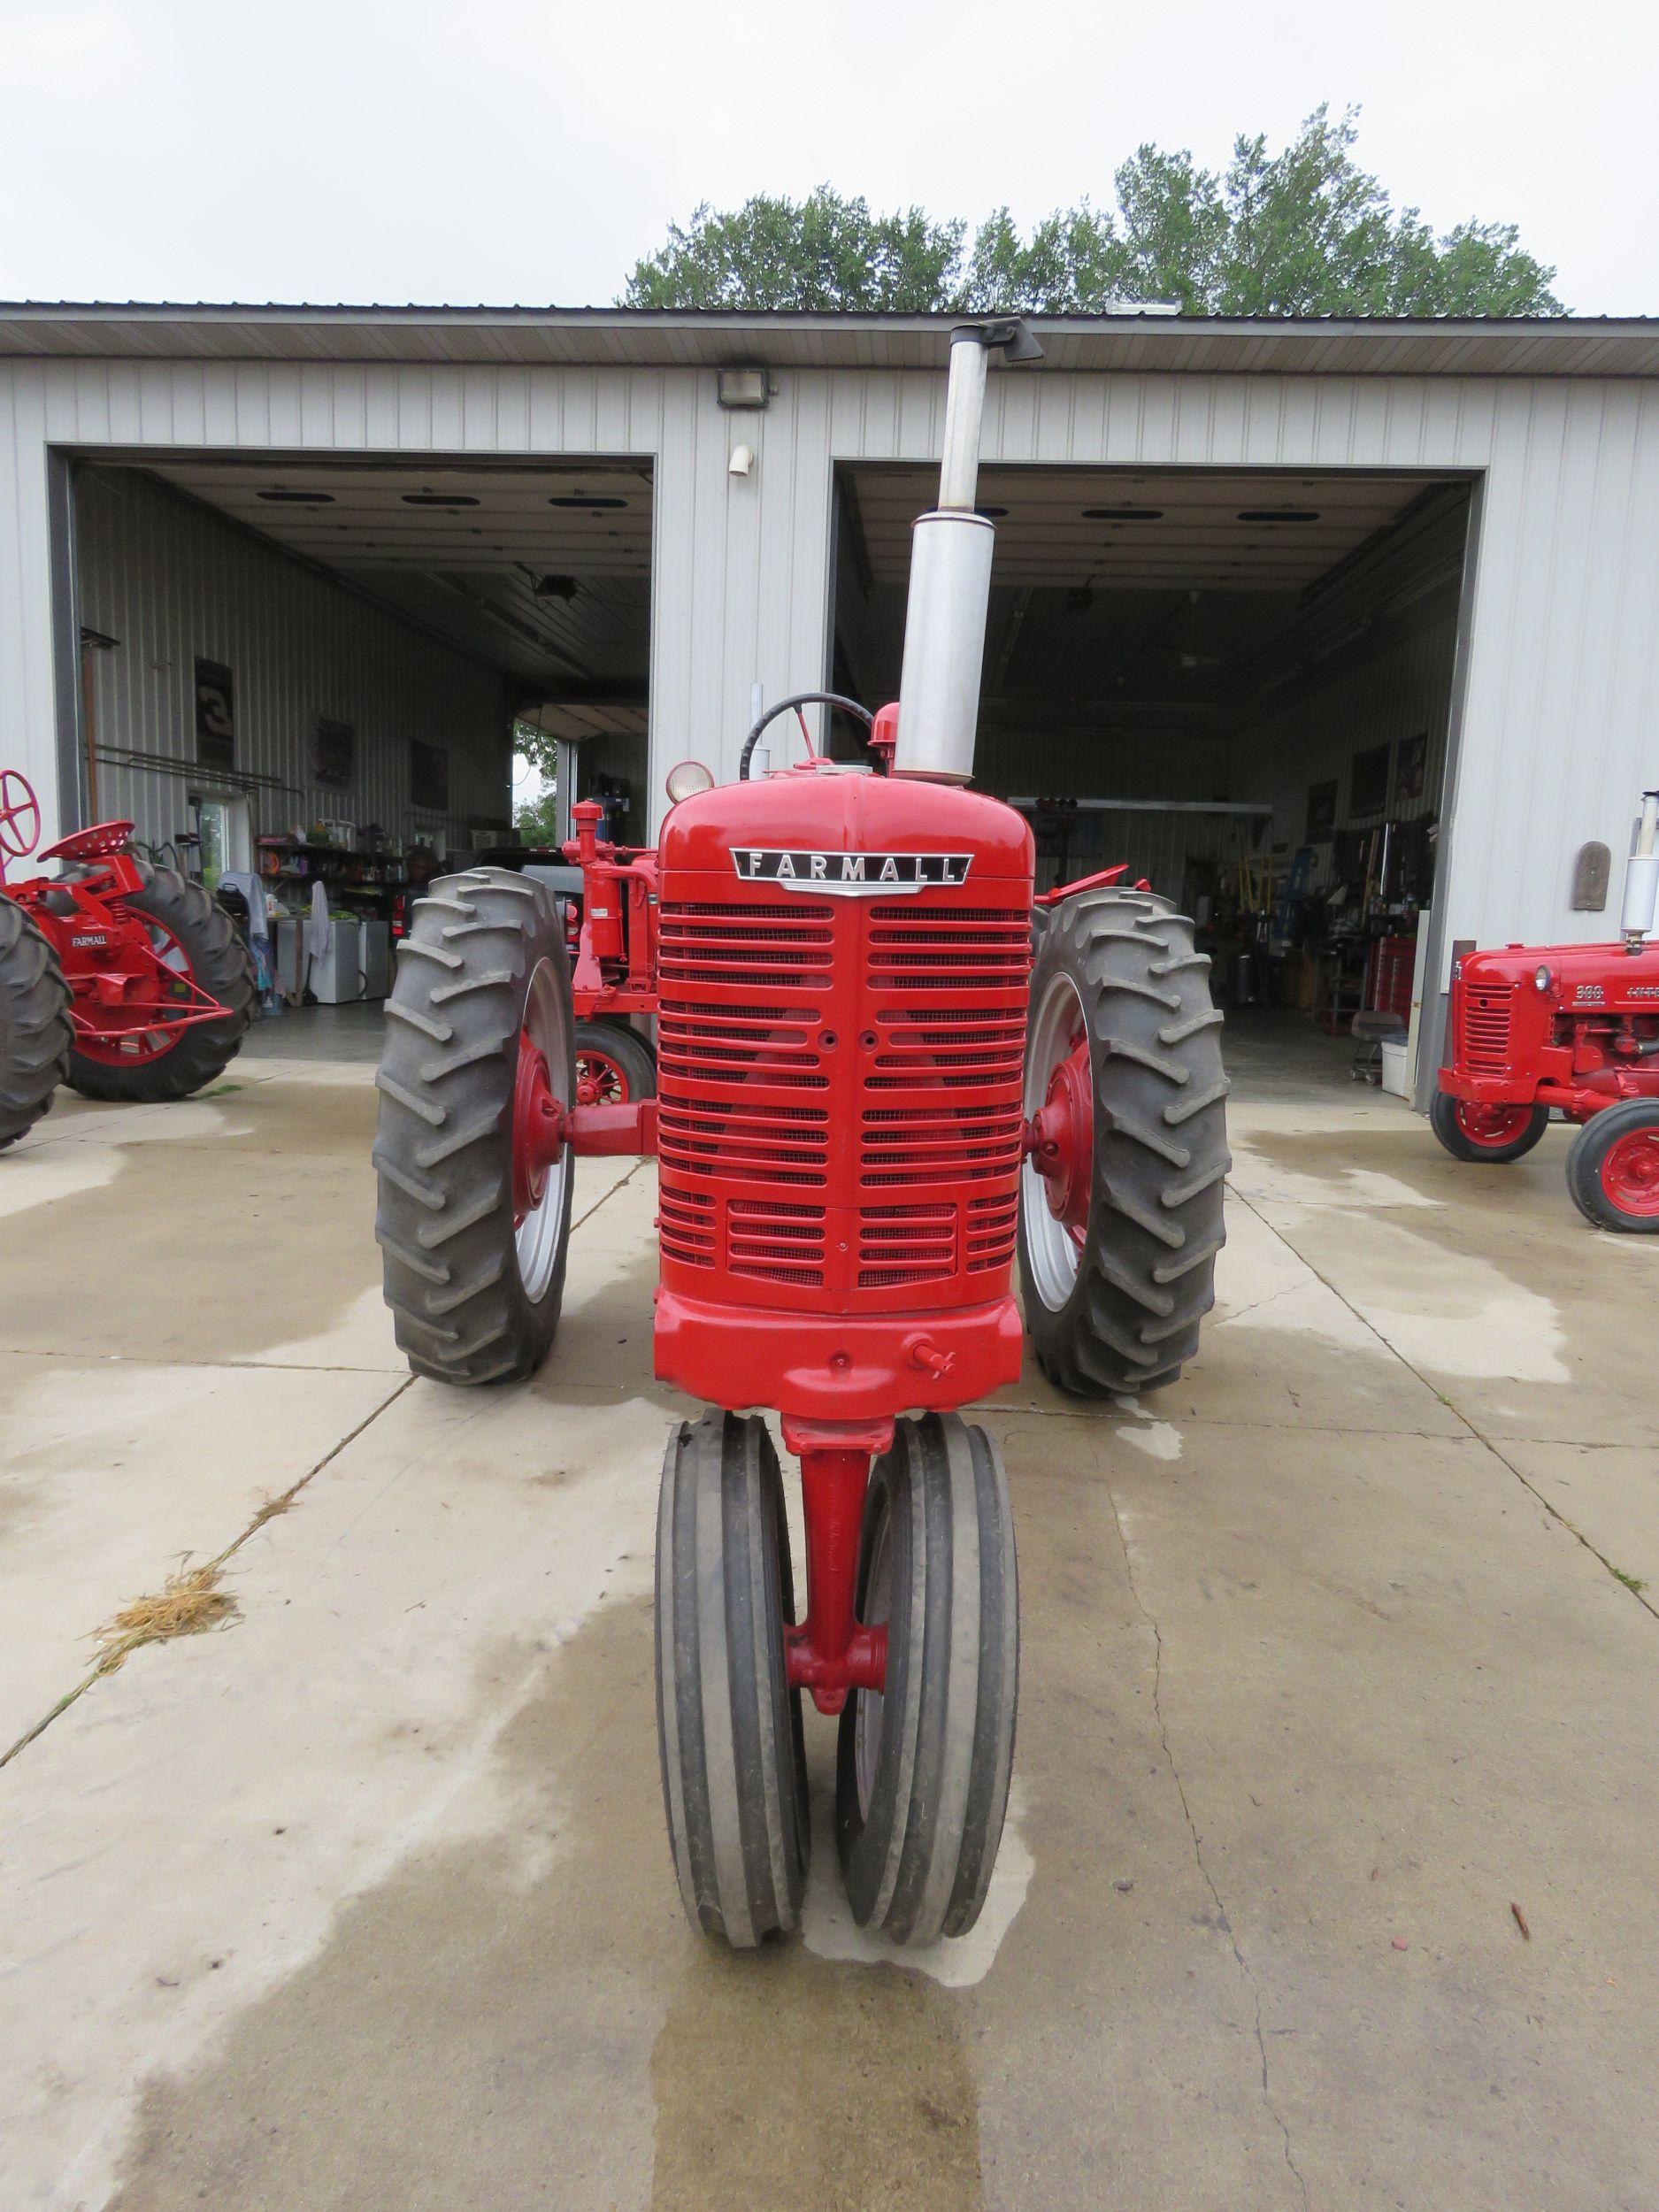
(171, 580)
(1561, 696)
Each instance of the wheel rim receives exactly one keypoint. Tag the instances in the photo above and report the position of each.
(539, 1197)
(1055, 1179)
(601, 1080)
(867, 1716)
(122, 1042)
(1492, 1124)
(1630, 1173)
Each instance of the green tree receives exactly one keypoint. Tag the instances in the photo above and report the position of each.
(536, 820)
(823, 251)
(1305, 231)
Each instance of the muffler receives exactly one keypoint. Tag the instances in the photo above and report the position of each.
(950, 573)
(1641, 875)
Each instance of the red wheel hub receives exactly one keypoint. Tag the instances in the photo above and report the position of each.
(1630, 1173)
(132, 1011)
(1493, 1125)
(1062, 1139)
(601, 1080)
(538, 1128)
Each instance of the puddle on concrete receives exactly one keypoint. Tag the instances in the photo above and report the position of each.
(1158, 1439)
(829, 1931)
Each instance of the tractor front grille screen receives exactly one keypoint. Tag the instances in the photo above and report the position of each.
(1486, 1023)
(840, 1098)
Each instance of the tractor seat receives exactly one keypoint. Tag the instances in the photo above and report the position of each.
(1370, 1032)
(101, 841)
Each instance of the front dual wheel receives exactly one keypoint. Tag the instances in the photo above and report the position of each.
(473, 1215)
(922, 1765)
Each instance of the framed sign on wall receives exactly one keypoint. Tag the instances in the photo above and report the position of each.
(429, 777)
(215, 714)
(334, 752)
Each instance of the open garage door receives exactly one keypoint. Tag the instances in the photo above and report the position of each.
(1240, 683)
(351, 642)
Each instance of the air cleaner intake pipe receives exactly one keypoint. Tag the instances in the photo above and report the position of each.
(1641, 877)
(950, 573)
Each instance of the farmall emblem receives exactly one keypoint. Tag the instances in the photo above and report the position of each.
(850, 874)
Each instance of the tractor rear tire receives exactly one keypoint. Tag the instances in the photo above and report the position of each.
(220, 966)
(631, 1071)
(34, 1030)
(1446, 1119)
(728, 1725)
(1613, 1169)
(1122, 1315)
(474, 1293)
(922, 1766)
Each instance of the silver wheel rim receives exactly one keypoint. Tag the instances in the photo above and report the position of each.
(1049, 1247)
(537, 1238)
(867, 1716)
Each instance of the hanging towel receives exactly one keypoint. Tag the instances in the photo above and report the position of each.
(318, 929)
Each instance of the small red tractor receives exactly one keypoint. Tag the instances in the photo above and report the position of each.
(1575, 1028)
(869, 1098)
(121, 980)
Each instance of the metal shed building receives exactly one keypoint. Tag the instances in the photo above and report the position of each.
(1245, 569)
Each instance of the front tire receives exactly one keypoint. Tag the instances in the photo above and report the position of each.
(923, 1765)
(1116, 1284)
(1492, 1134)
(35, 1031)
(728, 1725)
(615, 1062)
(1613, 1169)
(474, 1285)
(197, 937)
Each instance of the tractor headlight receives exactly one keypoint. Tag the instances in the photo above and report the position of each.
(686, 778)
(1541, 979)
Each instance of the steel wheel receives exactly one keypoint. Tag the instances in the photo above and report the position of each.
(538, 1230)
(614, 1066)
(1490, 1135)
(1055, 1206)
(1613, 1169)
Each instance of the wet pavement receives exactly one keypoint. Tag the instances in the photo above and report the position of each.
(1335, 1655)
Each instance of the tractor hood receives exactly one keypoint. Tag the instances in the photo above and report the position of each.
(1577, 975)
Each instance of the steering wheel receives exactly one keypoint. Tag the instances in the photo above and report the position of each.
(20, 815)
(801, 699)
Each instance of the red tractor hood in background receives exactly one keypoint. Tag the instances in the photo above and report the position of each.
(1512, 1043)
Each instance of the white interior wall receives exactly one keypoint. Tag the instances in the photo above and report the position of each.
(1383, 699)
(169, 581)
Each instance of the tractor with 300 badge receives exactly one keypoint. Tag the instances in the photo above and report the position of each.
(123, 980)
(1575, 1028)
(867, 1103)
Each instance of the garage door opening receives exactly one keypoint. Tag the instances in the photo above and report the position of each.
(324, 663)
(1238, 682)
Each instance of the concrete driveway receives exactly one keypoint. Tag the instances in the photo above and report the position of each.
(1333, 1873)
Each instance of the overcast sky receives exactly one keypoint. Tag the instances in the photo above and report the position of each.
(507, 151)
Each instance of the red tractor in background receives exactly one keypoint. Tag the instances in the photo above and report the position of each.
(121, 980)
(870, 1097)
(1575, 1028)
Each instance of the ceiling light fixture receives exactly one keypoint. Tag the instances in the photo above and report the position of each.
(592, 503)
(1278, 514)
(1123, 514)
(439, 499)
(281, 498)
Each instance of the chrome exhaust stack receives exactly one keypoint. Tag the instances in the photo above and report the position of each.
(1641, 876)
(950, 573)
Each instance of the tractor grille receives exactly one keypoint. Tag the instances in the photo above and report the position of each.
(839, 1097)
(1487, 1009)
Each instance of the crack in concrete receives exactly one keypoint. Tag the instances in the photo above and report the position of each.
(1473, 1428)
(1223, 1918)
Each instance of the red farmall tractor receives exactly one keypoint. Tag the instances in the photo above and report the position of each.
(1575, 1028)
(123, 980)
(868, 1100)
